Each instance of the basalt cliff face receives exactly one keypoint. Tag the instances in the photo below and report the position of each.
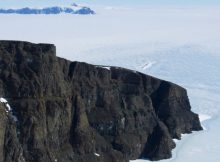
(63, 111)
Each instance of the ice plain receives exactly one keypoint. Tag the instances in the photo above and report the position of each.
(179, 44)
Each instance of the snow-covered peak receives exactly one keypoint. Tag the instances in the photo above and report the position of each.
(73, 9)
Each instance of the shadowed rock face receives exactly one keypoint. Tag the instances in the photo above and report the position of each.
(77, 112)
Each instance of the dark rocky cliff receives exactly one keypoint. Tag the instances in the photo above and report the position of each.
(77, 112)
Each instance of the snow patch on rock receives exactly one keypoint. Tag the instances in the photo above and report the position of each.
(8, 109)
(104, 67)
(96, 154)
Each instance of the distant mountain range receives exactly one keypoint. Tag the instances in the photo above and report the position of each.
(73, 9)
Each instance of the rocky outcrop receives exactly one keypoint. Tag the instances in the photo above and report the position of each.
(73, 9)
(77, 112)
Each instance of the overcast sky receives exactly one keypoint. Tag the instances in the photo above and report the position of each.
(22, 3)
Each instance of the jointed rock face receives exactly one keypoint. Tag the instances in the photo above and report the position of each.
(76, 112)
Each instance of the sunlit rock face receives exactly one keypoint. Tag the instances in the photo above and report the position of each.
(72, 112)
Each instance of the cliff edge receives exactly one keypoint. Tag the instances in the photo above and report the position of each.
(63, 111)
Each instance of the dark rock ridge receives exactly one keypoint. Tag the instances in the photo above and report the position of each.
(74, 9)
(76, 112)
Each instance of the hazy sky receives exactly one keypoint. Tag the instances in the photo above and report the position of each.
(19, 3)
